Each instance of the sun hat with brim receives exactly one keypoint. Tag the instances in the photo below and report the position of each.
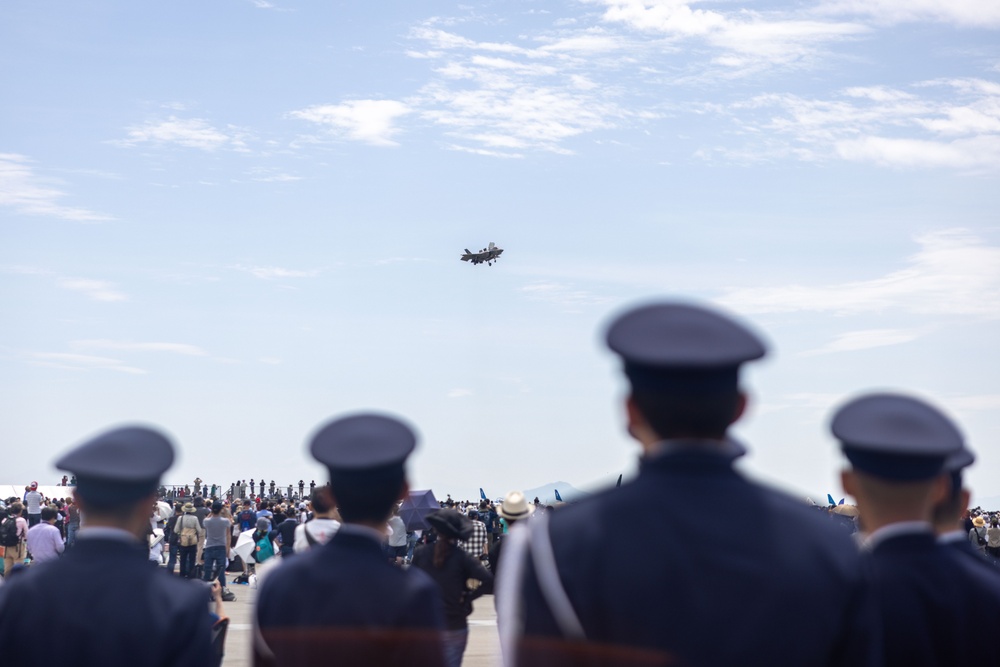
(188, 508)
(449, 523)
(979, 522)
(515, 506)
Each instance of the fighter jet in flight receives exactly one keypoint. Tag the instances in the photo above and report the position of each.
(488, 255)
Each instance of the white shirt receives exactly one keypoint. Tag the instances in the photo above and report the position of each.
(33, 499)
(320, 529)
(44, 542)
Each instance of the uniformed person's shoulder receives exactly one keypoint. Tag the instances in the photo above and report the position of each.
(975, 570)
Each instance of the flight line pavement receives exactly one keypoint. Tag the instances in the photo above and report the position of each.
(483, 649)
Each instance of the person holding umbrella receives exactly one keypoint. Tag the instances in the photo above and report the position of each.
(452, 568)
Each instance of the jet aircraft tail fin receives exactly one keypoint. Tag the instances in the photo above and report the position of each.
(482, 494)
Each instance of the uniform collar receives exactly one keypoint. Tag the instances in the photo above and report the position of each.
(105, 533)
(894, 530)
(952, 536)
(357, 530)
(722, 451)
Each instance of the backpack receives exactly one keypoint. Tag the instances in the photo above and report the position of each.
(8, 533)
(264, 549)
(188, 534)
(993, 538)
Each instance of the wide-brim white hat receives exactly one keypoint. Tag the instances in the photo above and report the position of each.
(515, 506)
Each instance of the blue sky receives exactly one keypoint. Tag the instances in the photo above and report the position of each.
(237, 219)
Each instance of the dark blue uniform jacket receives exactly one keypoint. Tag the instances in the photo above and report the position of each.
(693, 565)
(934, 601)
(343, 603)
(104, 603)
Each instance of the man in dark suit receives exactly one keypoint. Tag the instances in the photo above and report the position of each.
(932, 599)
(604, 582)
(104, 602)
(342, 602)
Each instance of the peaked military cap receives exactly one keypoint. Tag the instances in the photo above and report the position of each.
(896, 437)
(363, 441)
(681, 346)
(120, 465)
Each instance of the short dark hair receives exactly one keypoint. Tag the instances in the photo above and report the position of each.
(321, 501)
(700, 415)
(48, 514)
(367, 495)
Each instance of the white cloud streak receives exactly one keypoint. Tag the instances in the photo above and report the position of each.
(187, 133)
(742, 38)
(963, 13)
(82, 362)
(502, 99)
(369, 121)
(26, 192)
(274, 272)
(98, 290)
(853, 341)
(948, 123)
(953, 273)
(561, 294)
(183, 349)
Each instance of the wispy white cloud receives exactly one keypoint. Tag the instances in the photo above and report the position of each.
(502, 99)
(183, 349)
(814, 402)
(953, 273)
(974, 403)
(270, 361)
(276, 178)
(27, 192)
(950, 123)
(459, 393)
(964, 13)
(98, 290)
(742, 38)
(853, 341)
(561, 294)
(185, 132)
(399, 260)
(369, 121)
(82, 362)
(274, 272)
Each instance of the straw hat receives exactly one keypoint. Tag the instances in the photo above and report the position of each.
(979, 522)
(515, 506)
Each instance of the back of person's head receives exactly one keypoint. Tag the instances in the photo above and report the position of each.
(217, 507)
(48, 514)
(16, 509)
(367, 496)
(688, 415)
(321, 501)
(199, 501)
